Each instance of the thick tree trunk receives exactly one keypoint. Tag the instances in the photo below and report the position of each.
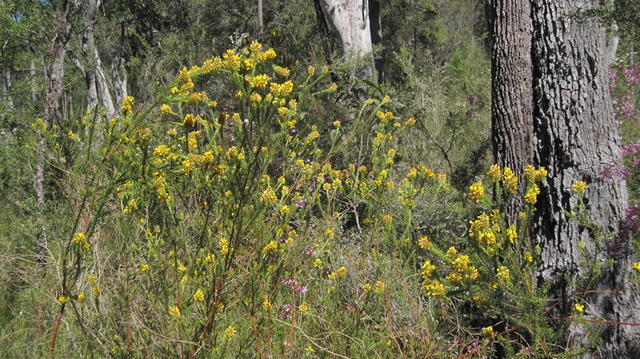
(350, 18)
(97, 83)
(576, 139)
(512, 93)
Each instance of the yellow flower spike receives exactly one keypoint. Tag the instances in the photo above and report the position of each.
(452, 252)
(476, 192)
(410, 122)
(503, 273)
(528, 257)
(144, 267)
(81, 297)
(636, 266)
(424, 243)
(79, 238)
(282, 71)
(63, 299)
(91, 278)
(230, 332)
(255, 97)
(127, 103)
(579, 188)
(579, 308)
(198, 296)
(531, 196)
(488, 331)
(495, 173)
(174, 311)
(270, 248)
(266, 304)
(509, 180)
(379, 287)
(512, 234)
(427, 269)
(433, 288)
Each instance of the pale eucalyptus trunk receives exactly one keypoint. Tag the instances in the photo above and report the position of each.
(97, 84)
(260, 19)
(576, 139)
(350, 18)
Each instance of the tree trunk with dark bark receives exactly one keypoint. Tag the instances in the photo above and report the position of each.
(512, 94)
(576, 139)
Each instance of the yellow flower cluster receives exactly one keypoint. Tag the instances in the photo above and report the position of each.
(81, 240)
(535, 175)
(434, 288)
(476, 192)
(462, 270)
(266, 304)
(512, 234)
(174, 311)
(281, 90)
(509, 181)
(384, 117)
(532, 194)
(230, 332)
(424, 243)
(503, 274)
(261, 80)
(127, 104)
(198, 296)
(484, 228)
(282, 71)
(231, 60)
(270, 248)
(579, 187)
(495, 173)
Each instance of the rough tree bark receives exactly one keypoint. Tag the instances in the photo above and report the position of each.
(576, 139)
(512, 94)
(350, 18)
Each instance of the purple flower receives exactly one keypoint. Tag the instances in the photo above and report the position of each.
(285, 311)
(290, 282)
(302, 289)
